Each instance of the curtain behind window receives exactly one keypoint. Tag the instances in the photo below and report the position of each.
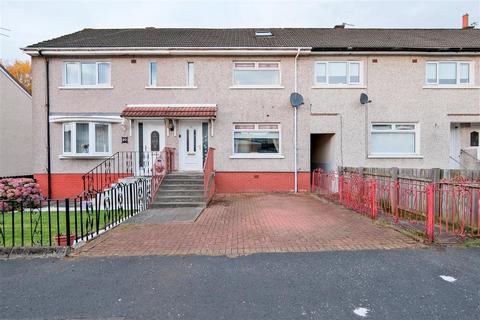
(82, 134)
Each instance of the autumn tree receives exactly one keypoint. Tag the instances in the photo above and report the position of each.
(22, 71)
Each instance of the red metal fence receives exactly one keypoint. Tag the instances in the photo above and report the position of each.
(209, 175)
(443, 208)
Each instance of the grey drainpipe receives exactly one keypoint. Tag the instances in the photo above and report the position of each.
(47, 105)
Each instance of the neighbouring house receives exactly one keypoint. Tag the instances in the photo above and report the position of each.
(139, 90)
(15, 127)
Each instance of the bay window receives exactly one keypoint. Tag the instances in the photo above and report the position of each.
(394, 139)
(256, 73)
(89, 74)
(86, 139)
(448, 73)
(256, 138)
(337, 73)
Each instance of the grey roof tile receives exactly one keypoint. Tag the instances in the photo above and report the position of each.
(319, 38)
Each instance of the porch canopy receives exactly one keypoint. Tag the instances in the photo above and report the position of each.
(174, 111)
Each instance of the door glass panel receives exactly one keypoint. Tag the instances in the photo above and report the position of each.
(194, 140)
(188, 140)
(154, 141)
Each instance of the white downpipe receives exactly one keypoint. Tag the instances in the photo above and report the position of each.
(295, 126)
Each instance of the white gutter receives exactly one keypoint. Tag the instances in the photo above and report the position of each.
(295, 124)
(159, 51)
(393, 53)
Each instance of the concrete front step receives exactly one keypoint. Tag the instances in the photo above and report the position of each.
(176, 204)
(178, 198)
(182, 181)
(192, 187)
(181, 192)
(184, 176)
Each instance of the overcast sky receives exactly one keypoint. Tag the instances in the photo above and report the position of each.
(33, 21)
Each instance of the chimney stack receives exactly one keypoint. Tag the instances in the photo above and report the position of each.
(465, 24)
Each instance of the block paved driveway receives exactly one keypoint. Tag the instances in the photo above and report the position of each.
(240, 224)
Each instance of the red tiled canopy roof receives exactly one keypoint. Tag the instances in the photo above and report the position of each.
(169, 112)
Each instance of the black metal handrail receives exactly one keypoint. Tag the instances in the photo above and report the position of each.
(122, 164)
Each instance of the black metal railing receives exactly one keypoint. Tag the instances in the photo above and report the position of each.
(122, 164)
(72, 220)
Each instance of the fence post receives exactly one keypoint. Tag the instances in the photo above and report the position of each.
(394, 172)
(430, 225)
(340, 189)
(130, 187)
(67, 221)
(373, 202)
(436, 178)
(312, 187)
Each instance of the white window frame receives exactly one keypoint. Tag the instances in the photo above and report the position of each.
(415, 154)
(79, 84)
(257, 129)
(257, 68)
(192, 84)
(348, 84)
(458, 83)
(151, 82)
(91, 138)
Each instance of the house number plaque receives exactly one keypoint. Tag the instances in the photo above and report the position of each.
(124, 139)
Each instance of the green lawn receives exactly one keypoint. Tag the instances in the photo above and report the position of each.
(39, 224)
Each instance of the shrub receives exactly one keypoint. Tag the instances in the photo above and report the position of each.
(14, 191)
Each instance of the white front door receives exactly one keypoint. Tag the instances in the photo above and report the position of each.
(151, 140)
(191, 143)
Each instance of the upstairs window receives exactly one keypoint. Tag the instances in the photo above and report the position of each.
(190, 74)
(256, 73)
(337, 73)
(448, 73)
(86, 139)
(86, 74)
(256, 138)
(152, 74)
(394, 139)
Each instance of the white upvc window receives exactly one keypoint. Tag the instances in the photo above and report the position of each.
(256, 73)
(87, 139)
(338, 73)
(395, 139)
(256, 139)
(86, 74)
(152, 73)
(190, 74)
(447, 73)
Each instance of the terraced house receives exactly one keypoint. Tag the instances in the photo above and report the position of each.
(99, 92)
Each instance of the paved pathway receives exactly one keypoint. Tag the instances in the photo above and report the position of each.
(241, 224)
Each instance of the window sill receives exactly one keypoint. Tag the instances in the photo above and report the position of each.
(450, 87)
(84, 87)
(255, 87)
(393, 156)
(87, 157)
(171, 87)
(326, 86)
(257, 156)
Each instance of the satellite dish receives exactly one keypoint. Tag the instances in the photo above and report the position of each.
(364, 99)
(296, 99)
